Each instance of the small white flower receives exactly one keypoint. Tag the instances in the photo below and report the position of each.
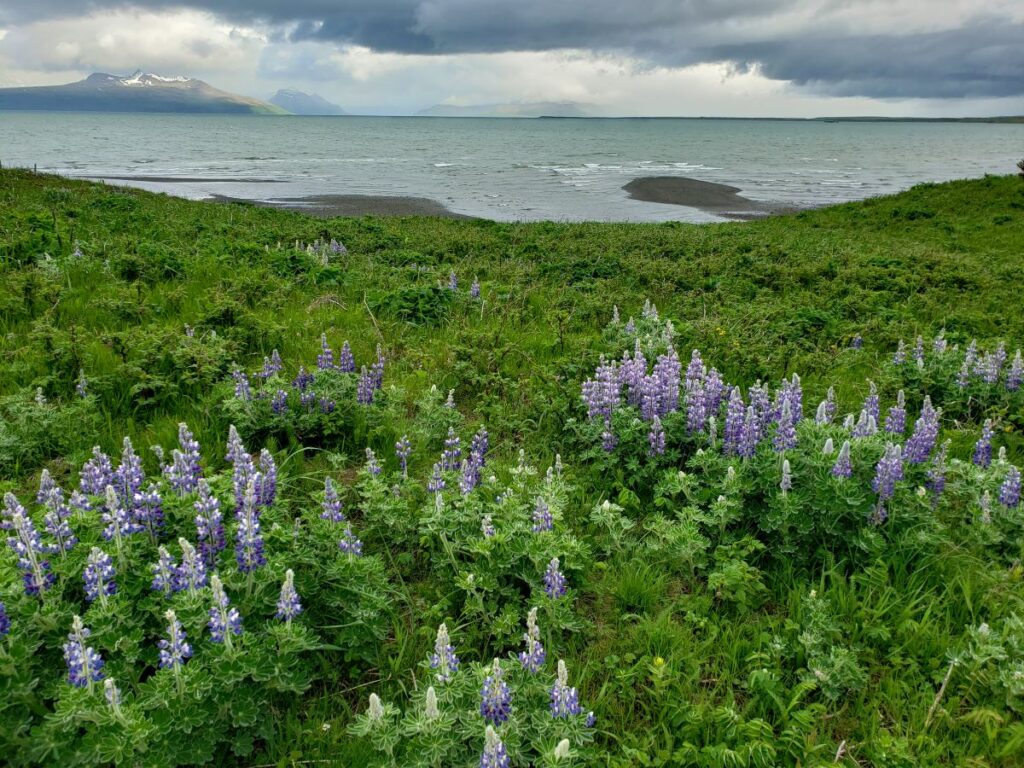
(431, 710)
(376, 709)
(562, 750)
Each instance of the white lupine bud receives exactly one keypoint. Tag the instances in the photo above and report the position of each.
(562, 750)
(376, 709)
(431, 711)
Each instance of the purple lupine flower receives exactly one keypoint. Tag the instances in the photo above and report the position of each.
(449, 403)
(82, 385)
(303, 379)
(656, 438)
(365, 388)
(243, 390)
(630, 327)
(191, 470)
(667, 369)
(308, 400)
(350, 543)
(27, 545)
(332, 503)
(487, 526)
(926, 431)
(165, 571)
(191, 574)
(494, 755)
(542, 520)
(249, 542)
(608, 438)
(495, 697)
(288, 605)
(273, 365)
(696, 407)
(175, 649)
(470, 471)
(377, 369)
(936, 475)
(857, 342)
(750, 436)
(896, 421)
(871, 403)
(49, 492)
(128, 477)
(453, 281)
(866, 425)
(533, 657)
(99, 576)
(55, 521)
(695, 370)
(565, 701)
(474, 289)
(843, 467)
(403, 450)
(118, 522)
(325, 360)
(5, 620)
(983, 448)
(235, 447)
(443, 659)
(591, 720)
(225, 621)
(554, 581)
(963, 376)
(267, 487)
(346, 361)
(279, 403)
(734, 414)
(209, 525)
(900, 355)
(1009, 491)
(372, 465)
(888, 472)
(85, 665)
(451, 457)
(326, 405)
(919, 351)
(337, 248)
(1015, 374)
(786, 483)
(939, 345)
(762, 406)
(113, 696)
(785, 431)
(826, 408)
(436, 483)
(480, 445)
(602, 393)
(148, 511)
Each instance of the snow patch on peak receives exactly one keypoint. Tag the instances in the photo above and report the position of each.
(138, 77)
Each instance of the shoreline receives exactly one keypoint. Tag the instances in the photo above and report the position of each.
(708, 196)
(332, 206)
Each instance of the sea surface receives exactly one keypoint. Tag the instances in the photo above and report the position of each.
(507, 169)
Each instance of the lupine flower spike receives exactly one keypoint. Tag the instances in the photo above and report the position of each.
(843, 468)
(983, 448)
(288, 605)
(443, 659)
(495, 697)
(332, 504)
(174, 649)
(99, 576)
(495, 755)
(554, 581)
(85, 665)
(565, 701)
(1009, 491)
(350, 543)
(225, 621)
(533, 657)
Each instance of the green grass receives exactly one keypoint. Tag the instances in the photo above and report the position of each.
(687, 661)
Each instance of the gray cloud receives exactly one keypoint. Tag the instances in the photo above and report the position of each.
(819, 46)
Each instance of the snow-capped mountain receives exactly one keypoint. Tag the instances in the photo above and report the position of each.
(138, 92)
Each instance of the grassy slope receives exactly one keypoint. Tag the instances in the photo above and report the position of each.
(759, 299)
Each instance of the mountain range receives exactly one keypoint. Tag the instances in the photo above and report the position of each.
(299, 103)
(139, 92)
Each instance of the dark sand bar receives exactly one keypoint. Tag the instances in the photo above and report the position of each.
(329, 206)
(719, 199)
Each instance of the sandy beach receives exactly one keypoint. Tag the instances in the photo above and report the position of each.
(719, 199)
(329, 206)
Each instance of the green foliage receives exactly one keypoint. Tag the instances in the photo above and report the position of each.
(711, 619)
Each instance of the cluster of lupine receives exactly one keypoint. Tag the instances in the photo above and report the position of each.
(302, 387)
(766, 417)
(993, 367)
(319, 247)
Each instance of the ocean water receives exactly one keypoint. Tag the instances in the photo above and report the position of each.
(507, 169)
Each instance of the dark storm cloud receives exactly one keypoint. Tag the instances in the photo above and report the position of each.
(980, 58)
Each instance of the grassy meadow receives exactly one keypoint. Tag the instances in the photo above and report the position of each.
(719, 609)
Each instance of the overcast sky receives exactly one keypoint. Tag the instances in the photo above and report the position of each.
(618, 57)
